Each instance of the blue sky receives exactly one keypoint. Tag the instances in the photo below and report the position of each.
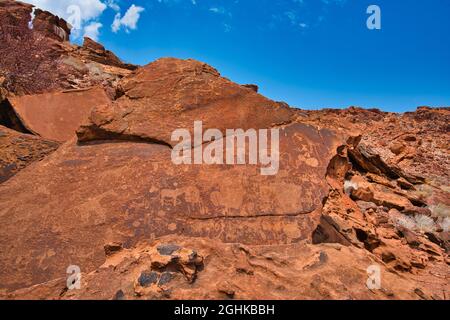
(308, 53)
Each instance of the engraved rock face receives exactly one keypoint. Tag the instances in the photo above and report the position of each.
(140, 194)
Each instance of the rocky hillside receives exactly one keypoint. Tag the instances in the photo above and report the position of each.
(87, 179)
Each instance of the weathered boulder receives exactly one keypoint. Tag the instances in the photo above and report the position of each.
(94, 51)
(170, 94)
(56, 116)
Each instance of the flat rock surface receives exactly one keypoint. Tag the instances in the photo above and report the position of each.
(56, 116)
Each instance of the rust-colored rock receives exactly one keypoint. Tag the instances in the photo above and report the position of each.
(96, 52)
(50, 25)
(234, 271)
(170, 94)
(57, 116)
(425, 155)
(139, 194)
(18, 151)
(395, 237)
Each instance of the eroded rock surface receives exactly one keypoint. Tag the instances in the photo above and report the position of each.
(171, 94)
(234, 271)
(139, 193)
(18, 150)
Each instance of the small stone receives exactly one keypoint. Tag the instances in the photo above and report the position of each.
(253, 87)
(413, 210)
(244, 270)
(193, 256)
(410, 138)
(397, 147)
(112, 248)
(434, 238)
(421, 294)
(387, 292)
(323, 257)
(387, 257)
(227, 289)
(168, 249)
(404, 184)
(146, 279)
(166, 277)
(119, 295)
(411, 238)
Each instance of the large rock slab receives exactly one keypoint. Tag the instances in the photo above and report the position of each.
(57, 116)
(170, 94)
(84, 196)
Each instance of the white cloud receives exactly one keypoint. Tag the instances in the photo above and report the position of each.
(80, 14)
(113, 4)
(219, 10)
(129, 20)
(89, 9)
(226, 28)
(92, 30)
(116, 23)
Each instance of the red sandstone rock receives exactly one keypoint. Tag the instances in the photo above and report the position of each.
(170, 94)
(234, 271)
(18, 151)
(96, 52)
(57, 116)
(50, 25)
(140, 194)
